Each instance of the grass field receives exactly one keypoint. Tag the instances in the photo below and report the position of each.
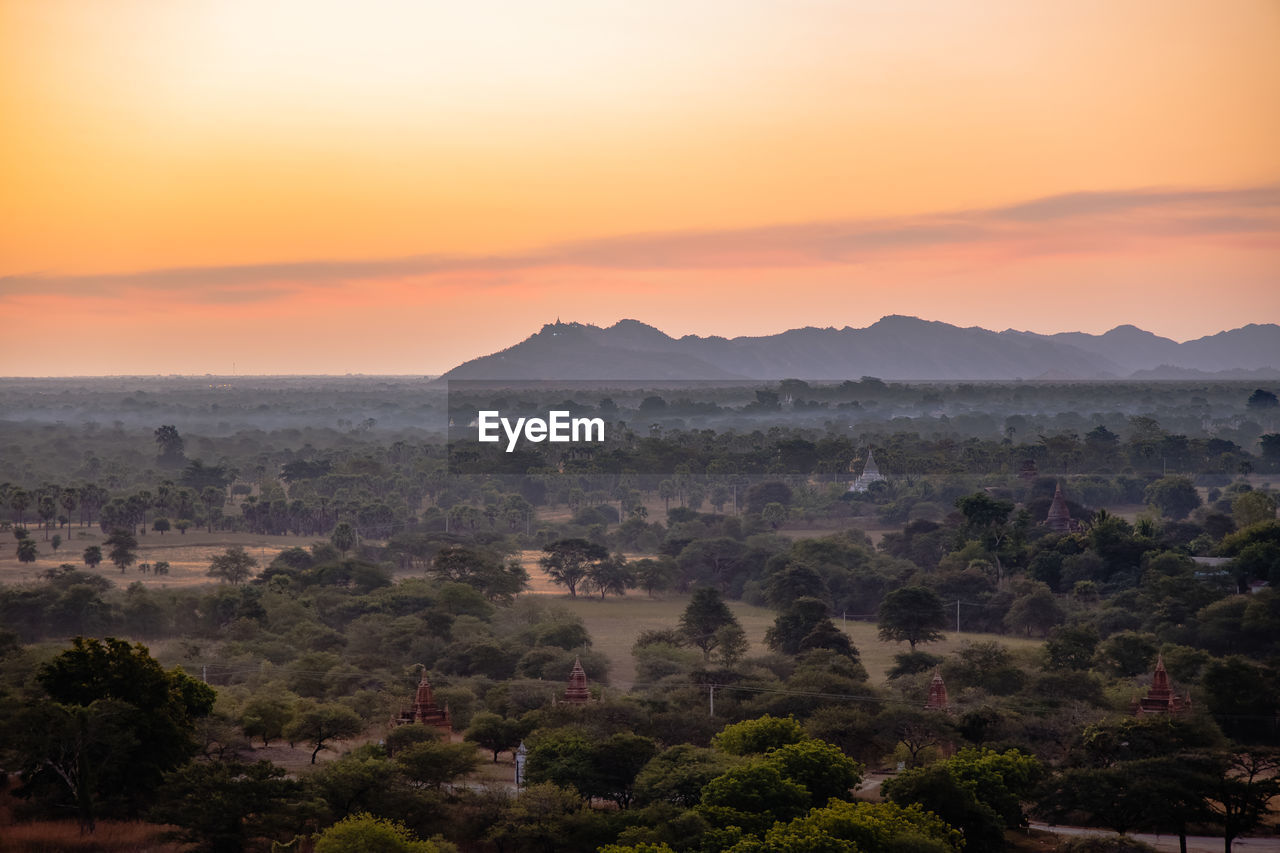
(614, 624)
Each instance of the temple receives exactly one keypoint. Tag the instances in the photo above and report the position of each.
(937, 693)
(425, 710)
(1059, 518)
(870, 474)
(1161, 699)
(577, 693)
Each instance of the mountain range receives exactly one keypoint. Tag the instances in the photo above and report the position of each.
(895, 347)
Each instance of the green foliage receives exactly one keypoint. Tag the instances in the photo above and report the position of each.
(824, 771)
(495, 733)
(678, 774)
(1175, 497)
(604, 768)
(223, 807)
(859, 827)
(758, 736)
(569, 561)
(233, 566)
(266, 717)
(115, 724)
(433, 764)
(752, 796)
(703, 618)
(317, 725)
(364, 833)
(913, 614)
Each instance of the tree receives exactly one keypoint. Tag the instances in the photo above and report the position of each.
(233, 566)
(1175, 497)
(568, 561)
(678, 774)
(654, 575)
(758, 736)
(93, 556)
(223, 807)
(343, 537)
(752, 796)
(55, 543)
(115, 722)
(1242, 786)
(318, 724)
(171, 445)
(824, 771)
(265, 717)
(27, 551)
(122, 543)
(865, 827)
(1071, 646)
(364, 833)
(611, 575)
(911, 613)
(1261, 400)
(494, 733)
(432, 764)
(1037, 610)
(1252, 508)
(161, 525)
(705, 615)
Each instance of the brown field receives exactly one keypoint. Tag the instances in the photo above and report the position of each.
(614, 624)
(188, 555)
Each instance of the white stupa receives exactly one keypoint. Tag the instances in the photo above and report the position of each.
(870, 474)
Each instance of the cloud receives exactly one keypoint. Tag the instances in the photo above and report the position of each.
(1097, 218)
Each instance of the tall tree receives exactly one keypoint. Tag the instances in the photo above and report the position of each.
(113, 724)
(567, 561)
(171, 445)
(233, 566)
(911, 613)
(122, 543)
(703, 618)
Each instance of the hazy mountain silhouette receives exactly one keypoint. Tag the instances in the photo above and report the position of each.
(895, 347)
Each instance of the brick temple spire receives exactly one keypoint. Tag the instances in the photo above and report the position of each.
(425, 710)
(1160, 698)
(577, 693)
(937, 693)
(1059, 517)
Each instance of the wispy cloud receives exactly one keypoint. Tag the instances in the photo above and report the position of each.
(1025, 227)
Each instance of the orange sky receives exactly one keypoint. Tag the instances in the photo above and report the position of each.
(394, 186)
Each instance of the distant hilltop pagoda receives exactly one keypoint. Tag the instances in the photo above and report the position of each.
(1059, 519)
(870, 474)
(1160, 698)
(424, 710)
(577, 693)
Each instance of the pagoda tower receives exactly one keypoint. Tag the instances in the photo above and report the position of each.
(1160, 698)
(577, 693)
(937, 693)
(1059, 517)
(870, 474)
(424, 709)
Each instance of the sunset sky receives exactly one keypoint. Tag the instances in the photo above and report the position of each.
(395, 186)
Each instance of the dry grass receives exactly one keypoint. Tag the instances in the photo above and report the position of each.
(614, 624)
(63, 836)
(188, 555)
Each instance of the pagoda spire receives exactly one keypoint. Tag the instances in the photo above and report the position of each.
(1059, 517)
(937, 693)
(577, 693)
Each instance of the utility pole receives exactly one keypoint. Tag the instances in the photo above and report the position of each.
(957, 616)
(711, 696)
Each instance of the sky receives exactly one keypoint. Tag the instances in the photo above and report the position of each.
(396, 186)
